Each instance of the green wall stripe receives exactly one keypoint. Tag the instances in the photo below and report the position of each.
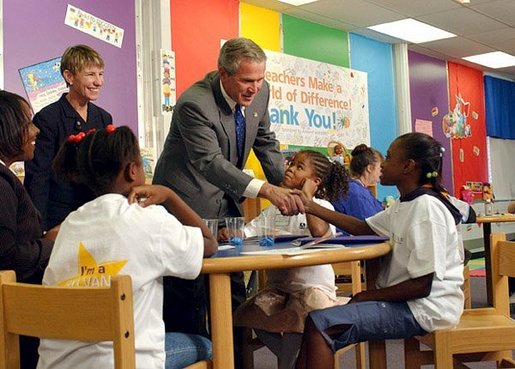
(314, 41)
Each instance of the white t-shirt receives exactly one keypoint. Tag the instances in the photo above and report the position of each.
(106, 237)
(296, 279)
(424, 240)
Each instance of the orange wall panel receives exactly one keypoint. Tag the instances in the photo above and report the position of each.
(197, 28)
(469, 153)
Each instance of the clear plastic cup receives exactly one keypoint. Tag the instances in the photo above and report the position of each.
(236, 228)
(266, 230)
(212, 224)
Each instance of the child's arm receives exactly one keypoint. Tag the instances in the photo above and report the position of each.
(155, 194)
(408, 290)
(350, 224)
(317, 227)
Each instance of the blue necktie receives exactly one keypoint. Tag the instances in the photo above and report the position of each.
(239, 119)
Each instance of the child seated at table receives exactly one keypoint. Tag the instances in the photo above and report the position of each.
(419, 284)
(278, 311)
(122, 232)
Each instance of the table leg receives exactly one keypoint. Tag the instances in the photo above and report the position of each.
(221, 321)
(487, 231)
(376, 349)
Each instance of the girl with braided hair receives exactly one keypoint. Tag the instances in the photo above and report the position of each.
(124, 231)
(277, 312)
(418, 287)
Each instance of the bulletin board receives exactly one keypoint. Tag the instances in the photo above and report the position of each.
(465, 126)
(35, 31)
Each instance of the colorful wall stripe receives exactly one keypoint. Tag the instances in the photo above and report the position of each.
(375, 58)
(196, 33)
(314, 41)
(430, 101)
(261, 25)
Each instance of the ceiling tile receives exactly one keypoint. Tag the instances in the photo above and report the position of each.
(502, 10)
(462, 21)
(457, 47)
(499, 39)
(360, 13)
(413, 8)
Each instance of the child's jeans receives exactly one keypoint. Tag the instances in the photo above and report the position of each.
(185, 349)
(366, 320)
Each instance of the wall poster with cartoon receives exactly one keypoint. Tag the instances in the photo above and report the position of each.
(465, 126)
(167, 78)
(43, 83)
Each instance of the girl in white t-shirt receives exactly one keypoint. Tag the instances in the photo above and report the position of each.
(418, 287)
(281, 308)
(122, 232)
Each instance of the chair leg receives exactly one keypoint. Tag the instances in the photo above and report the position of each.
(442, 354)
(247, 350)
(507, 363)
(412, 353)
(466, 287)
(361, 361)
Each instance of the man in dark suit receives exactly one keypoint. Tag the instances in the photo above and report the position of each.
(201, 161)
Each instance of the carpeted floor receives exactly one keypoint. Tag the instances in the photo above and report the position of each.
(265, 359)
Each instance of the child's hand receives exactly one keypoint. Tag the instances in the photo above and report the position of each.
(146, 195)
(309, 187)
(305, 199)
(223, 234)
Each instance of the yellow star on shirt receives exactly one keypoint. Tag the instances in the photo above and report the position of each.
(91, 273)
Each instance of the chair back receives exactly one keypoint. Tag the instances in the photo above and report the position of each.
(84, 314)
(503, 260)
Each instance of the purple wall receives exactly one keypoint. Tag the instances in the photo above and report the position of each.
(34, 31)
(428, 89)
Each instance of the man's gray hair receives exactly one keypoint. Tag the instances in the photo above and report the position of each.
(236, 49)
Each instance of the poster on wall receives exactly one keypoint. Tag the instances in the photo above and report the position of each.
(313, 103)
(168, 92)
(465, 125)
(93, 26)
(43, 83)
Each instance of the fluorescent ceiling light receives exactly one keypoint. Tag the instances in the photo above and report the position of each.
(412, 30)
(297, 2)
(496, 59)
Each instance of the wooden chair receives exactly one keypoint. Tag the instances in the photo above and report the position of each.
(84, 314)
(466, 287)
(483, 334)
(351, 269)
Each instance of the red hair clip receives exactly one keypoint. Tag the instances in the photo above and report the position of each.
(76, 138)
(110, 128)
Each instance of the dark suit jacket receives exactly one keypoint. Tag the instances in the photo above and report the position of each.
(55, 198)
(21, 247)
(199, 159)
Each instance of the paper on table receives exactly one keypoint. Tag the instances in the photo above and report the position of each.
(225, 247)
(287, 251)
(339, 240)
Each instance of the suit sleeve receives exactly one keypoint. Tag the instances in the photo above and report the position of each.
(28, 259)
(38, 171)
